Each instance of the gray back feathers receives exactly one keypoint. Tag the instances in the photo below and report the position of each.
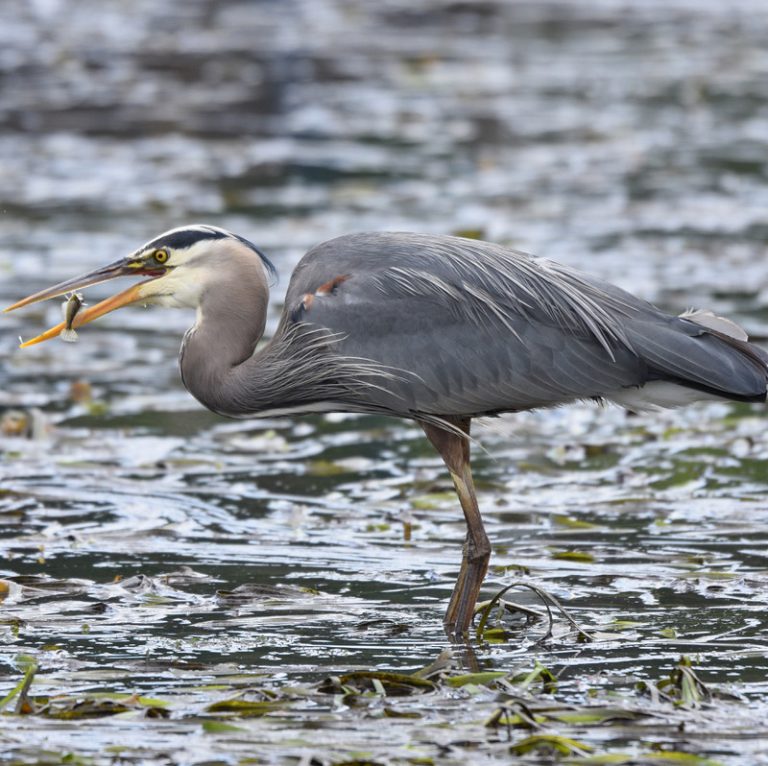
(475, 328)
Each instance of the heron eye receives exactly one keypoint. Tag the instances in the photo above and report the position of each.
(161, 256)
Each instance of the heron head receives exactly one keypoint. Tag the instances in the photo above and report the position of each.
(179, 265)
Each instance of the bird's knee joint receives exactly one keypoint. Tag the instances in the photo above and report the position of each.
(477, 552)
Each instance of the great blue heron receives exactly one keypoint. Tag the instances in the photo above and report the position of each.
(436, 329)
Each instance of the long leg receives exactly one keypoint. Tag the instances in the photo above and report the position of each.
(454, 449)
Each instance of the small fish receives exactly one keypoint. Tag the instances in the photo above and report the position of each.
(70, 308)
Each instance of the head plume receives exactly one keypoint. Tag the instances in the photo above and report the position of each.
(185, 237)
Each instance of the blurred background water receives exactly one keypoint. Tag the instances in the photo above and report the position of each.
(627, 139)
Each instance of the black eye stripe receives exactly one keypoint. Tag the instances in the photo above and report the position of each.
(179, 240)
(185, 238)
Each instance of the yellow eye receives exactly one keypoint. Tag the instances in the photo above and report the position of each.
(161, 256)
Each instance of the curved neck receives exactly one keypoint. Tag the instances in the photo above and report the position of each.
(230, 322)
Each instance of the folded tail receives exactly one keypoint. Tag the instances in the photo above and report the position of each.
(697, 355)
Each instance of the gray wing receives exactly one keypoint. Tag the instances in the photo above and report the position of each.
(462, 327)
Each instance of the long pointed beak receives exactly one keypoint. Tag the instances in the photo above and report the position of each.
(131, 295)
(95, 277)
(117, 269)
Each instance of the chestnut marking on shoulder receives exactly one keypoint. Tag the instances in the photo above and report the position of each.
(330, 287)
(304, 306)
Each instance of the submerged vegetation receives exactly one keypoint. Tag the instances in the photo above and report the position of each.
(310, 629)
(529, 716)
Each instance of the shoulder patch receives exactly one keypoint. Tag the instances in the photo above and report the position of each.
(328, 288)
(332, 285)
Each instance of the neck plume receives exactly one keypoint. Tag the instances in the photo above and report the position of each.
(302, 369)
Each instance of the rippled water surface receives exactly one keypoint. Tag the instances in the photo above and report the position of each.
(158, 561)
